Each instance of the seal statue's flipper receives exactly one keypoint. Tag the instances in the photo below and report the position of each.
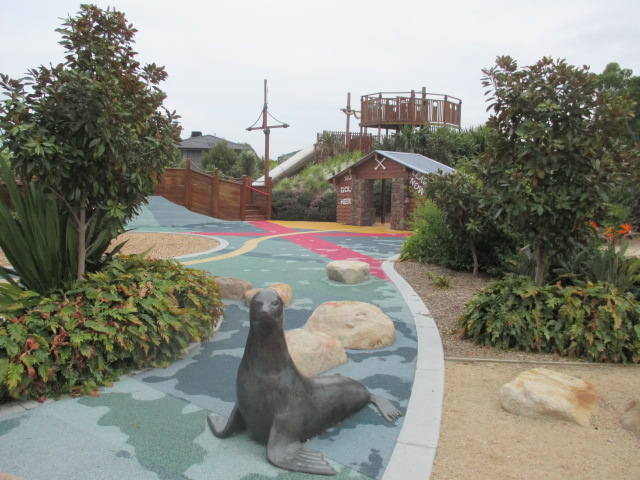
(288, 453)
(225, 427)
(386, 408)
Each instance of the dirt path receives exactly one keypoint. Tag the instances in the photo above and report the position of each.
(479, 440)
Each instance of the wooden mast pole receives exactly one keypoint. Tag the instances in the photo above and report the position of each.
(348, 112)
(267, 131)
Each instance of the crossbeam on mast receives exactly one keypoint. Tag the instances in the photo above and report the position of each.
(267, 131)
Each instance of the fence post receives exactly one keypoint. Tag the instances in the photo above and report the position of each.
(215, 194)
(243, 198)
(187, 185)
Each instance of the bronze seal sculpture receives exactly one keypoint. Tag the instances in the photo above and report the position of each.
(279, 405)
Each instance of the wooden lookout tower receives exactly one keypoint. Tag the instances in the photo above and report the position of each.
(395, 110)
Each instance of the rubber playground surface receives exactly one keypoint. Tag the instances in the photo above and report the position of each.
(152, 425)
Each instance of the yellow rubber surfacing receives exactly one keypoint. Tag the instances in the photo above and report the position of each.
(246, 247)
(338, 227)
(313, 227)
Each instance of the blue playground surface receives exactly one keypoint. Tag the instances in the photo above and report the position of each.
(152, 424)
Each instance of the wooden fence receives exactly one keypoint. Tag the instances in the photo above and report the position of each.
(354, 142)
(212, 195)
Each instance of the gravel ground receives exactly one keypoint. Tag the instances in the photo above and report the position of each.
(160, 245)
(164, 245)
(446, 306)
(479, 440)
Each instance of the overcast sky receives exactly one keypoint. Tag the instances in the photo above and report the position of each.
(218, 53)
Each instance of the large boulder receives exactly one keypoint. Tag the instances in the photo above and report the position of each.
(356, 325)
(314, 352)
(233, 288)
(348, 271)
(545, 394)
(631, 418)
(285, 291)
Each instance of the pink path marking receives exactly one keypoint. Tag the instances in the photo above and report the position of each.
(324, 248)
(229, 234)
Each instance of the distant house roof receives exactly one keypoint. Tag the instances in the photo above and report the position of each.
(206, 142)
(414, 161)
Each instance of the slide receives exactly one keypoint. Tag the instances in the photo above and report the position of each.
(289, 166)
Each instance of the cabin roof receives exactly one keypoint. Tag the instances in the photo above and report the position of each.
(413, 161)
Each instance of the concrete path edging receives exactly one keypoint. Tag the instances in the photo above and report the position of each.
(415, 450)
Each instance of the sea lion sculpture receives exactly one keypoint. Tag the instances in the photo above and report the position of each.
(280, 406)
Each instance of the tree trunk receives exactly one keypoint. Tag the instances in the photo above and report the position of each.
(82, 248)
(474, 254)
(539, 266)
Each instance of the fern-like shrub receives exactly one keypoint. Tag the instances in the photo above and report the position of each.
(134, 313)
(595, 322)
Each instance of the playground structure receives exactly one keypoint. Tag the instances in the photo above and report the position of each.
(245, 199)
(406, 171)
(392, 111)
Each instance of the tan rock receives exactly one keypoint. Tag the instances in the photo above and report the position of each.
(233, 288)
(348, 271)
(356, 325)
(285, 291)
(545, 394)
(314, 352)
(6, 476)
(631, 418)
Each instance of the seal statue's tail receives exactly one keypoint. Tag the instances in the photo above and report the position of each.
(386, 408)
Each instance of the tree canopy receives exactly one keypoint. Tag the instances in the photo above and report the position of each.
(222, 157)
(93, 129)
(622, 81)
(557, 151)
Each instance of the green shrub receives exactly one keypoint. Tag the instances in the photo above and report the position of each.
(605, 265)
(38, 236)
(134, 313)
(617, 213)
(303, 205)
(596, 322)
(431, 239)
(442, 281)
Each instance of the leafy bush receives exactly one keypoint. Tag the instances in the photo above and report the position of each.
(39, 239)
(607, 265)
(302, 205)
(92, 129)
(597, 321)
(431, 239)
(134, 313)
(440, 281)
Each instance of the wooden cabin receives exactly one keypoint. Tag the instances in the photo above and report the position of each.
(406, 171)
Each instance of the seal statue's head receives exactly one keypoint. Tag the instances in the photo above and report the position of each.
(266, 310)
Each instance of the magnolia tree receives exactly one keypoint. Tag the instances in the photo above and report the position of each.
(93, 129)
(557, 151)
